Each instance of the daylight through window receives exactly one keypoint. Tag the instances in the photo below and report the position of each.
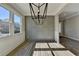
(17, 22)
(4, 21)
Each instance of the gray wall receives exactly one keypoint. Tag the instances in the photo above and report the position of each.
(40, 32)
(72, 28)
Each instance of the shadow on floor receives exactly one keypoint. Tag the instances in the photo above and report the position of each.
(70, 44)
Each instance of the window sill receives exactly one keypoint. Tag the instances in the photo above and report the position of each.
(17, 33)
(4, 35)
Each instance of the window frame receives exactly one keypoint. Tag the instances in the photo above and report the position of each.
(11, 20)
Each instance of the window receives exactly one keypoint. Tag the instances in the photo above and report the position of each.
(17, 22)
(7, 21)
(4, 21)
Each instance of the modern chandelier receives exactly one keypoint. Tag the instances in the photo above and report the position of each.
(38, 17)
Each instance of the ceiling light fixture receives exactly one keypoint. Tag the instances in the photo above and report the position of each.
(37, 17)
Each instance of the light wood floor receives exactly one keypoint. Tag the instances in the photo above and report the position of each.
(24, 50)
(51, 49)
(70, 46)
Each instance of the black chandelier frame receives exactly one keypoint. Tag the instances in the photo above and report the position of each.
(38, 19)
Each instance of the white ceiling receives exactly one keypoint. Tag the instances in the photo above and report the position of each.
(53, 8)
(70, 10)
(66, 10)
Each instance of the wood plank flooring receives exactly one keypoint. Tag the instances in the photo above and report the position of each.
(25, 50)
(41, 45)
(70, 44)
(55, 45)
(29, 48)
(63, 53)
(42, 53)
(51, 49)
